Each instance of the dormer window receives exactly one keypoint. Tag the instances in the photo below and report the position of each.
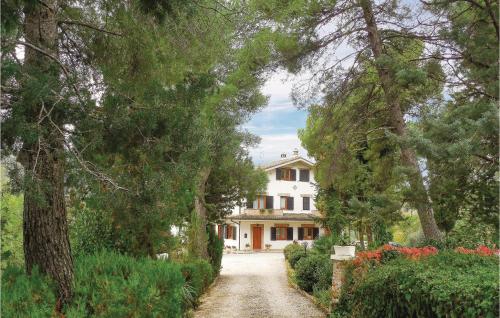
(286, 174)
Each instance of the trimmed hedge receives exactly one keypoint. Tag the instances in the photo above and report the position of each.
(448, 284)
(290, 248)
(314, 273)
(110, 285)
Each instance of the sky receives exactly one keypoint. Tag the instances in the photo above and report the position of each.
(277, 124)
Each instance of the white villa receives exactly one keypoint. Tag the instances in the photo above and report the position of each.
(284, 213)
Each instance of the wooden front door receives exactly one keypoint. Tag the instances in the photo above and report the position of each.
(257, 238)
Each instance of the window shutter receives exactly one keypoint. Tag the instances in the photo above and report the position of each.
(269, 202)
(234, 232)
(304, 175)
(289, 233)
(306, 203)
(293, 174)
(278, 174)
(224, 231)
(315, 233)
(219, 231)
(273, 234)
(290, 203)
(301, 233)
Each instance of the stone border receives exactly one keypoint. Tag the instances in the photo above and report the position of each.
(290, 270)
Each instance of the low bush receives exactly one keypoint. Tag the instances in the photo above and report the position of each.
(290, 248)
(198, 275)
(324, 244)
(106, 285)
(447, 284)
(314, 272)
(26, 296)
(113, 285)
(295, 256)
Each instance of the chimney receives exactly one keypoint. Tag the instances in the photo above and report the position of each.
(296, 152)
(283, 155)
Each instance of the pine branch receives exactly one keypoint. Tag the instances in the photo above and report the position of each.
(90, 26)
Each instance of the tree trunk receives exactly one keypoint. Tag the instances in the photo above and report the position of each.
(361, 236)
(45, 228)
(408, 156)
(369, 234)
(199, 232)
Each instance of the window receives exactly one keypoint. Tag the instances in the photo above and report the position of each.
(304, 175)
(286, 174)
(230, 232)
(286, 203)
(308, 232)
(306, 203)
(261, 202)
(281, 232)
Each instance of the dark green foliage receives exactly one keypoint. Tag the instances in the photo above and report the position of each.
(108, 284)
(291, 248)
(444, 285)
(113, 285)
(215, 250)
(198, 275)
(26, 296)
(314, 272)
(91, 231)
(295, 256)
(324, 244)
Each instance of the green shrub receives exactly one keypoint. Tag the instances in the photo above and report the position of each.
(295, 256)
(26, 296)
(323, 297)
(448, 284)
(198, 275)
(324, 244)
(314, 272)
(215, 250)
(113, 285)
(287, 251)
(90, 231)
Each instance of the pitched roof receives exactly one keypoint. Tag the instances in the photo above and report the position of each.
(283, 162)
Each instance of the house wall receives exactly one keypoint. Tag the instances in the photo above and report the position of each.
(245, 228)
(296, 189)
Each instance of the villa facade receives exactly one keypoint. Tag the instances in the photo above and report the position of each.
(284, 213)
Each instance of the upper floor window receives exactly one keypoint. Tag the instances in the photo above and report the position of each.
(306, 203)
(261, 202)
(304, 175)
(286, 174)
(286, 203)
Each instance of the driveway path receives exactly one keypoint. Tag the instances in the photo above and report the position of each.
(255, 285)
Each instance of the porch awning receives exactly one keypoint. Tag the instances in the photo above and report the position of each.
(264, 217)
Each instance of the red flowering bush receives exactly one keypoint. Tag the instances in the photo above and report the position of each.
(480, 250)
(383, 252)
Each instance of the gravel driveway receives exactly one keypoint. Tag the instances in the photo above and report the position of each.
(255, 285)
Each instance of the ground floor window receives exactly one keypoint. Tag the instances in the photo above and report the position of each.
(227, 231)
(281, 232)
(308, 232)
